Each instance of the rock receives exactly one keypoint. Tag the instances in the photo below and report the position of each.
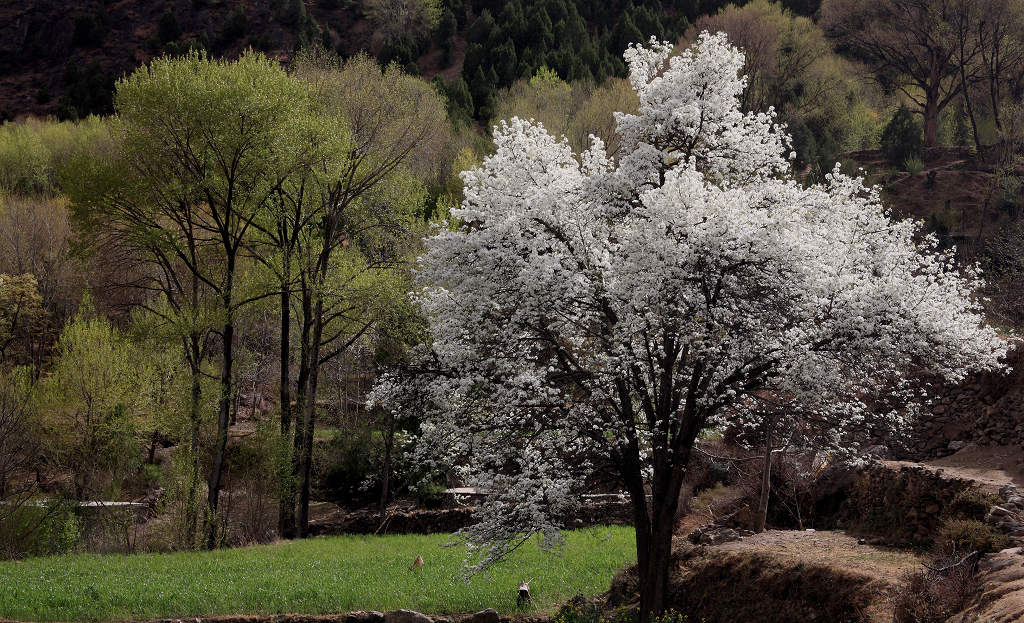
(489, 615)
(406, 616)
(998, 512)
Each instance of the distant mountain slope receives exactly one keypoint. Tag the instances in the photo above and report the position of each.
(60, 57)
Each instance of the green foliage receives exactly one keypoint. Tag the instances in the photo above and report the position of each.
(39, 530)
(969, 535)
(913, 165)
(792, 67)
(578, 41)
(22, 317)
(351, 474)
(353, 573)
(901, 138)
(458, 100)
(429, 494)
(412, 19)
(93, 398)
(575, 110)
(89, 92)
(34, 153)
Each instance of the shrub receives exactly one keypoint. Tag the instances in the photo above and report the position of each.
(970, 503)
(968, 535)
(429, 494)
(351, 476)
(913, 165)
(39, 530)
(34, 153)
(928, 597)
(901, 138)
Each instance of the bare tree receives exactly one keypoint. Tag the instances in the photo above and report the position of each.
(909, 45)
(19, 457)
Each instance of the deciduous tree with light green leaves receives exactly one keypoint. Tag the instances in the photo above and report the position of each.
(93, 403)
(366, 195)
(203, 146)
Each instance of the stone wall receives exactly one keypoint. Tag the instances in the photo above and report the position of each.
(900, 507)
(453, 519)
(987, 409)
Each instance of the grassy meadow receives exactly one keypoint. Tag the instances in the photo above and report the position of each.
(334, 574)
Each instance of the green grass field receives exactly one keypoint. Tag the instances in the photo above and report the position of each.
(335, 574)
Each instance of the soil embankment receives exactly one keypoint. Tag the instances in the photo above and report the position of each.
(782, 576)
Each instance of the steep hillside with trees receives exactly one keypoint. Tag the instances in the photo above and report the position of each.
(60, 59)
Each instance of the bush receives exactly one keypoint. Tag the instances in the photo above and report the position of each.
(928, 597)
(913, 165)
(39, 531)
(901, 138)
(429, 494)
(970, 504)
(968, 535)
(351, 475)
(34, 154)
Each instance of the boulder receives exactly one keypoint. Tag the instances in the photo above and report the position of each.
(489, 615)
(406, 616)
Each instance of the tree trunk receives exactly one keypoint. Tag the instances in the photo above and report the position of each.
(654, 546)
(300, 397)
(967, 97)
(931, 119)
(389, 443)
(151, 455)
(224, 411)
(309, 420)
(286, 499)
(192, 502)
(766, 479)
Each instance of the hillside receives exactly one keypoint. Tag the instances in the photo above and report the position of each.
(60, 61)
(52, 57)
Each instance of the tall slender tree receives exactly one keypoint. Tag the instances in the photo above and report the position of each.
(202, 144)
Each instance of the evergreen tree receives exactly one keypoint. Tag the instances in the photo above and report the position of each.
(447, 26)
(168, 29)
(460, 101)
(480, 31)
(539, 31)
(505, 62)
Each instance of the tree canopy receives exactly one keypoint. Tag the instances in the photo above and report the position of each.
(591, 312)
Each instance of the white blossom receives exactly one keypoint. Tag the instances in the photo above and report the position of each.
(599, 315)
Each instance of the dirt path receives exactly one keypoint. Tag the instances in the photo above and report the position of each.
(833, 549)
(990, 466)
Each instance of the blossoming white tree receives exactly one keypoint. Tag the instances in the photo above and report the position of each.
(590, 310)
